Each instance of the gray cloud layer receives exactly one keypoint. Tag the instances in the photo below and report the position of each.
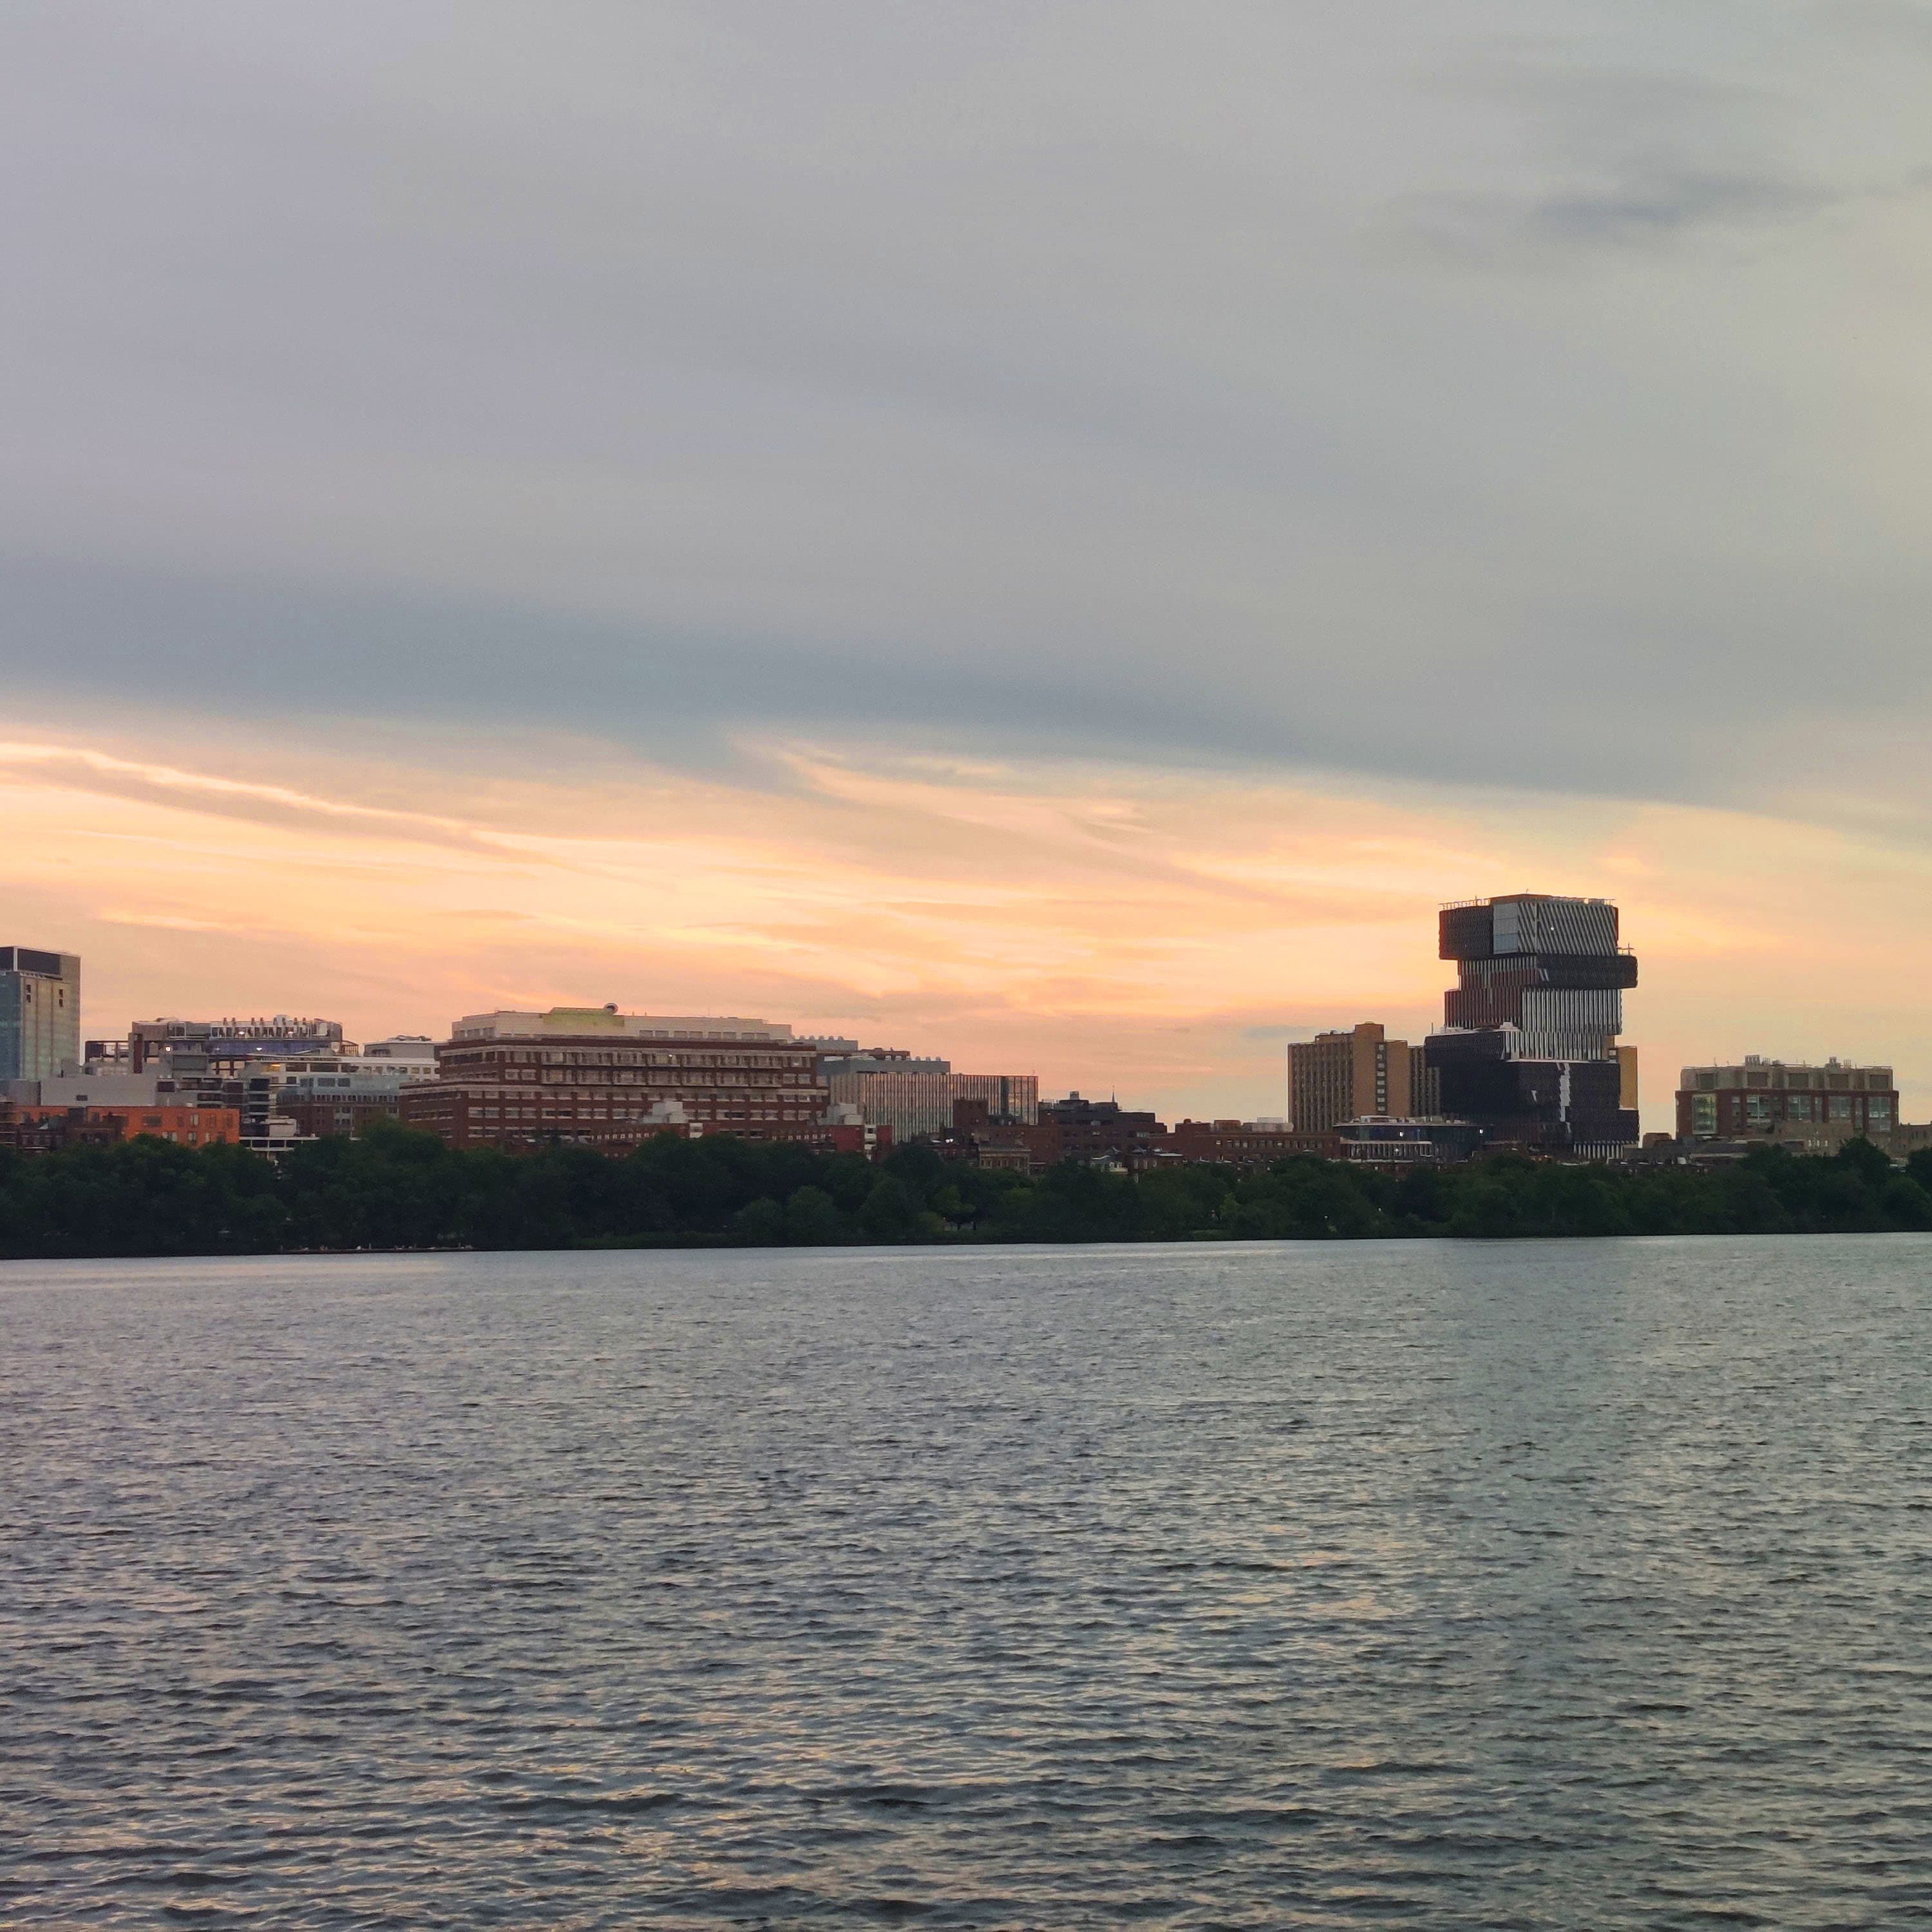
(1529, 394)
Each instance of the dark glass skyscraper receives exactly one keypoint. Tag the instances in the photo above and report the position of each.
(1529, 1050)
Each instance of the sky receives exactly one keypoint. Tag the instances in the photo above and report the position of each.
(1051, 534)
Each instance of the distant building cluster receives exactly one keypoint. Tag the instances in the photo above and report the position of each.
(1528, 1058)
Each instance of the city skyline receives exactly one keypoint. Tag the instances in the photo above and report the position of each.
(1659, 1113)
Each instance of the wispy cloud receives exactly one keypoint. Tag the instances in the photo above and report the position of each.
(67, 767)
(1105, 927)
(1592, 156)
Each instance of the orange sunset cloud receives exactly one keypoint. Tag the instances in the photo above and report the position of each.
(1159, 937)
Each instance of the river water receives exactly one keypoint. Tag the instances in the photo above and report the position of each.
(1557, 1584)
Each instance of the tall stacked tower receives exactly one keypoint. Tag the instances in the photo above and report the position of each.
(1530, 1047)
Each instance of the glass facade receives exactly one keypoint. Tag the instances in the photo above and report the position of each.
(40, 1013)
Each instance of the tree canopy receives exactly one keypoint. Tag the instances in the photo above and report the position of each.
(396, 1188)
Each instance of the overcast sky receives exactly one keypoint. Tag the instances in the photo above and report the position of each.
(1455, 394)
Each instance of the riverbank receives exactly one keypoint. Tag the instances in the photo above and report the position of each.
(398, 1190)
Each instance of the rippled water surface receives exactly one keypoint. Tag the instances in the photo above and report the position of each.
(1553, 1585)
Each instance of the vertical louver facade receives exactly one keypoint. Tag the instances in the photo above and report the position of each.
(1532, 1024)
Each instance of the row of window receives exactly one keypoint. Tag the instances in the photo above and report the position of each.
(1805, 1107)
(583, 1113)
(679, 1082)
(1878, 1080)
(498, 1056)
(1762, 1110)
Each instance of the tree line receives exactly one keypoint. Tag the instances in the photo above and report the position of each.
(396, 1188)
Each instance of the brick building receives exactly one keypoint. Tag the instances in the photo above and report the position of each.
(600, 1078)
(1770, 1098)
(1249, 1143)
(36, 1129)
(1341, 1076)
(330, 1116)
(1075, 1128)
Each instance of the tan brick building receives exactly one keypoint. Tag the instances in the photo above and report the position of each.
(1343, 1076)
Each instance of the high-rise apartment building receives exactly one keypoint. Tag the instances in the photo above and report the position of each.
(1341, 1076)
(1775, 1098)
(1529, 1050)
(40, 1013)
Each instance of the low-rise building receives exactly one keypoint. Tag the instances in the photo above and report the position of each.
(1078, 1128)
(1778, 1100)
(1007, 1156)
(35, 1128)
(341, 1096)
(332, 1115)
(1248, 1143)
(597, 1078)
(1385, 1140)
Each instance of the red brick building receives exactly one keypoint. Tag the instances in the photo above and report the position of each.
(38, 1129)
(1077, 1129)
(1769, 1099)
(343, 1116)
(597, 1078)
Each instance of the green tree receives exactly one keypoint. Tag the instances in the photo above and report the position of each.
(760, 1223)
(1872, 1164)
(1907, 1204)
(812, 1219)
(890, 1212)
